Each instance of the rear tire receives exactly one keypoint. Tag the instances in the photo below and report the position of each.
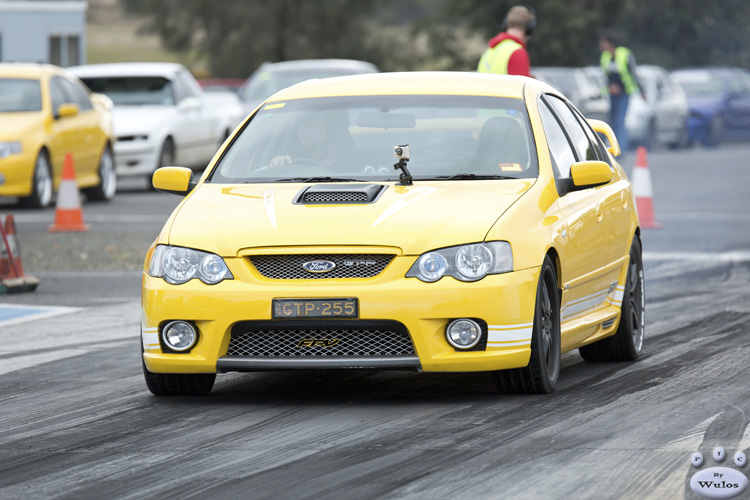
(543, 370)
(627, 343)
(41, 190)
(178, 384)
(715, 131)
(107, 187)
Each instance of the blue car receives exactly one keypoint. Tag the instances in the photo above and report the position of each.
(719, 101)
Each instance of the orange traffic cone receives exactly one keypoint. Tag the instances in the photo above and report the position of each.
(68, 214)
(12, 278)
(642, 190)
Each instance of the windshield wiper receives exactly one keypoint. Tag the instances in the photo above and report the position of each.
(468, 176)
(317, 179)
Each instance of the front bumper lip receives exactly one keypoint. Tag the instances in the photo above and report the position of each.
(243, 363)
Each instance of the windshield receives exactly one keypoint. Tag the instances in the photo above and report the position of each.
(19, 95)
(129, 91)
(353, 138)
(699, 84)
(265, 84)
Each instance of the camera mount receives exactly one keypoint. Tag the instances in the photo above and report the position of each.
(402, 153)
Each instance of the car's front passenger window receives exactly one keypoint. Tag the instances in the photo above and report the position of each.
(559, 147)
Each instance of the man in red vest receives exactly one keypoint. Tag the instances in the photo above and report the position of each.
(506, 52)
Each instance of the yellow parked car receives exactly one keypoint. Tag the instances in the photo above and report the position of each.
(504, 234)
(46, 113)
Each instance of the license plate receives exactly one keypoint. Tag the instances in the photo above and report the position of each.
(315, 308)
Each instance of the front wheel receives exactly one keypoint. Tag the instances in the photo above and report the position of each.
(627, 343)
(107, 187)
(543, 370)
(178, 384)
(41, 183)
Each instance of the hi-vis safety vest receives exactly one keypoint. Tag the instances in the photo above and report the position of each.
(495, 59)
(622, 55)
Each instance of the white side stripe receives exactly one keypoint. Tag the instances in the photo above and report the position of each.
(506, 335)
(150, 339)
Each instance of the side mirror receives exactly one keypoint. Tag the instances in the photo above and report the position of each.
(587, 174)
(605, 130)
(102, 101)
(67, 109)
(189, 104)
(175, 180)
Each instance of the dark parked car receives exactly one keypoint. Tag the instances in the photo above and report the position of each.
(719, 103)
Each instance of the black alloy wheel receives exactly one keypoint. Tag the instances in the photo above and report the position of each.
(543, 370)
(627, 343)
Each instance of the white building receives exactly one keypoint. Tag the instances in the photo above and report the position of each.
(43, 31)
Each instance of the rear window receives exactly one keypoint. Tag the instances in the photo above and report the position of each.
(130, 91)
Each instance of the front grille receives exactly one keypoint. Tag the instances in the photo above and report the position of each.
(270, 339)
(289, 267)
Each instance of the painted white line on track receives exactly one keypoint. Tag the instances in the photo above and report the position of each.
(20, 313)
(85, 274)
(738, 256)
(124, 218)
(718, 216)
(22, 362)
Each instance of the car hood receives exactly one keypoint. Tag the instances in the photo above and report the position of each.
(14, 126)
(707, 105)
(225, 219)
(139, 120)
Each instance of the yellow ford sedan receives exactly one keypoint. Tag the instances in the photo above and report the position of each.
(46, 114)
(441, 222)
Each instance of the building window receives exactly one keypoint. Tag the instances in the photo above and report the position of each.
(64, 50)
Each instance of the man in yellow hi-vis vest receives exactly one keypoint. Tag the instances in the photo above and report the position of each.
(618, 65)
(506, 52)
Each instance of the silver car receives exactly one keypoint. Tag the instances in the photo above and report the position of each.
(581, 88)
(660, 119)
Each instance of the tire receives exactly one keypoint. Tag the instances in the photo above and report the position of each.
(166, 157)
(627, 343)
(543, 370)
(41, 181)
(715, 131)
(107, 187)
(178, 384)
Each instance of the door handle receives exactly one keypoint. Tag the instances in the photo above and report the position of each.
(599, 215)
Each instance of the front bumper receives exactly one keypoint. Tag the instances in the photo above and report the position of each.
(16, 173)
(136, 157)
(505, 302)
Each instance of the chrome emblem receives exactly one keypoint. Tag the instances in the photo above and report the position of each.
(318, 266)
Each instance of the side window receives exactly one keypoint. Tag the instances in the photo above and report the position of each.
(599, 148)
(57, 93)
(76, 95)
(581, 144)
(180, 92)
(559, 147)
(191, 86)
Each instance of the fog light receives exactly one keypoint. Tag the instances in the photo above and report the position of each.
(463, 333)
(179, 335)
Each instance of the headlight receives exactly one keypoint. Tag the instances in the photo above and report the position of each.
(466, 263)
(8, 148)
(179, 265)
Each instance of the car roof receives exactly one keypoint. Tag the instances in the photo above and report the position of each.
(412, 83)
(317, 64)
(28, 70)
(165, 70)
(713, 70)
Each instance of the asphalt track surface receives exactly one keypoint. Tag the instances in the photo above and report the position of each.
(76, 420)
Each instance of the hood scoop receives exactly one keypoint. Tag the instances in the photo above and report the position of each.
(339, 194)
